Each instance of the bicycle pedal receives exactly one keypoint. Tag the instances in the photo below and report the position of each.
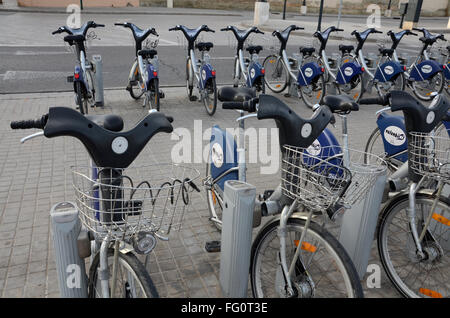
(267, 194)
(212, 246)
(161, 94)
(70, 79)
(287, 95)
(193, 98)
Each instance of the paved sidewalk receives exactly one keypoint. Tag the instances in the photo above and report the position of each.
(35, 175)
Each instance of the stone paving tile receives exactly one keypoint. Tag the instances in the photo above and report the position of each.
(36, 175)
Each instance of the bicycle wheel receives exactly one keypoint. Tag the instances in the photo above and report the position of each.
(411, 276)
(276, 76)
(133, 280)
(215, 201)
(424, 89)
(189, 78)
(375, 146)
(80, 99)
(325, 269)
(354, 88)
(90, 81)
(313, 93)
(397, 83)
(210, 97)
(137, 85)
(154, 95)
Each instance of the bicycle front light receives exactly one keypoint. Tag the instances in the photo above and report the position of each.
(144, 242)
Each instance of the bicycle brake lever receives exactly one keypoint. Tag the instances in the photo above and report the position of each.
(245, 117)
(38, 134)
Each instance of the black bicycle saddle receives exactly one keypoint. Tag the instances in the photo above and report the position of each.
(340, 103)
(236, 94)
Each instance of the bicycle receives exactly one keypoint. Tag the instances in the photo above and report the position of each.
(413, 236)
(122, 215)
(84, 73)
(424, 76)
(345, 74)
(388, 74)
(248, 69)
(304, 72)
(302, 278)
(200, 70)
(144, 71)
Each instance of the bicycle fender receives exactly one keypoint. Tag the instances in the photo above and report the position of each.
(425, 70)
(207, 72)
(255, 71)
(388, 71)
(347, 72)
(152, 73)
(308, 73)
(393, 133)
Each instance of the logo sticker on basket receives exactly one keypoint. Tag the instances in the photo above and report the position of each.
(394, 135)
(119, 145)
(389, 70)
(252, 73)
(426, 69)
(217, 155)
(348, 71)
(315, 148)
(430, 117)
(308, 72)
(306, 130)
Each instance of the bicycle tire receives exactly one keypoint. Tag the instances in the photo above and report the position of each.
(154, 96)
(353, 92)
(137, 78)
(319, 98)
(269, 232)
(133, 264)
(81, 101)
(189, 80)
(428, 96)
(394, 273)
(398, 84)
(210, 89)
(213, 198)
(276, 88)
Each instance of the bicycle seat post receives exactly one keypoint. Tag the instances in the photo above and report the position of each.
(345, 139)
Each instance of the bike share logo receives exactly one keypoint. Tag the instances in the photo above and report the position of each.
(217, 155)
(252, 73)
(308, 72)
(394, 135)
(389, 70)
(430, 117)
(348, 71)
(315, 148)
(426, 69)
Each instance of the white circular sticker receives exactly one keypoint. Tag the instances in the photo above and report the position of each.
(430, 117)
(306, 130)
(394, 135)
(119, 145)
(252, 73)
(217, 155)
(426, 69)
(315, 148)
(348, 71)
(203, 74)
(308, 72)
(389, 70)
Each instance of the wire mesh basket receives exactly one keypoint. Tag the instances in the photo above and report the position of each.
(429, 155)
(319, 176)
(122, 202)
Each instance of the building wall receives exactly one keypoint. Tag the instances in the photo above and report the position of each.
(86, 3)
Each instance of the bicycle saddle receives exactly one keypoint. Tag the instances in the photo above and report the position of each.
(254, 49)
(110, 122)
(204, 46)
(74, 38)
(346, 48)
(236, 94)
(147, 53)
(340, 103)
(419, 118)
(307, 50)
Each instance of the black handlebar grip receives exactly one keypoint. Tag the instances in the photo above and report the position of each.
(248, 106)
(154, 32)
(340, 30)
(99, 25)
(29, 124)
(299, 28)
(380, 100)
(56, 32)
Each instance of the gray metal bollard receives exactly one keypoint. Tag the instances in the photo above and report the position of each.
(70, 266)
(236, 240)
(99, 98)
(359, 224)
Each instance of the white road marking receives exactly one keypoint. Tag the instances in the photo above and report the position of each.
(27, 75)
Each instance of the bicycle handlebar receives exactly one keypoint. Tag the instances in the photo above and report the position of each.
(29, 124)
(380, 100)
(248, 106)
